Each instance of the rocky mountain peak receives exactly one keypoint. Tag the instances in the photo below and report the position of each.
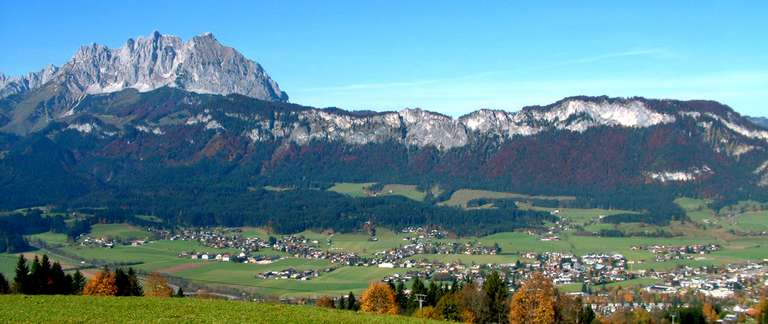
(201, 65)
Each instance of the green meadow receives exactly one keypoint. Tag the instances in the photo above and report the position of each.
(360, 190)
(118, 232)
(461, 197)
(86, 309)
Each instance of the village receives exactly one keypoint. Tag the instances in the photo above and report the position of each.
(593, 272)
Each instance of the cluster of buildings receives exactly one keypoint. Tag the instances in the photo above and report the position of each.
(563, 268)
(688, 252)
(421, 233)
(721, 282)
(566, 268)
(97, 242)
(292, 273)
(419, 241)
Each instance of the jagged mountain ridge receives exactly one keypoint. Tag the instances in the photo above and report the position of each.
(421, 128)
(168, 138)
(201, 65)
(252, 124)
(12, 85)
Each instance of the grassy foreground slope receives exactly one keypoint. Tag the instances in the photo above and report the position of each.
(84, 309)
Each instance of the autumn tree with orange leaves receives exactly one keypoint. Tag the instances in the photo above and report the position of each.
(157, 286)
(534, 302)
(103, 284)
(710, 313)
(326, 302)
(379, 298)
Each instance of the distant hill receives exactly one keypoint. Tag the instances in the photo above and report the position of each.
(66, 309)
(762, 121)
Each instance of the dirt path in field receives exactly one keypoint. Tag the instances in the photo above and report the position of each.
(180, 267)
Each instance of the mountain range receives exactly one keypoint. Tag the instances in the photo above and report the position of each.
(161, 116)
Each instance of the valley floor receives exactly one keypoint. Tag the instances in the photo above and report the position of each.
(724, 229)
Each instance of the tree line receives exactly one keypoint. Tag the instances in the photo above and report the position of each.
(294, 211)
(41, 277)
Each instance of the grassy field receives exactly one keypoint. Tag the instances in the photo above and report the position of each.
(359, 190)
(82, 309)
(118, 231)
(358, 242)
(154, 256)
(50, 238)
(356, 190)
(336, 283)
(752, 221)
(461, 197)
(642, 282)
(696, 209)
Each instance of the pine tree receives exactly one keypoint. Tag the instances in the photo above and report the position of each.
(45, 277)
(352, 302)
(78, 283)
(122, 282)
(454, 286)
(587, 316)
(448, 307)
(495, 300)
(21, 282)
(180, 292)
(417, 287)
(66, 285)
(400, 297)
(34, 277)
(134, 287)
(4, 288)
(432, 293)
(58, 284)
(341, 304)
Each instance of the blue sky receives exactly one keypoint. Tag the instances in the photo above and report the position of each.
(447, 56)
